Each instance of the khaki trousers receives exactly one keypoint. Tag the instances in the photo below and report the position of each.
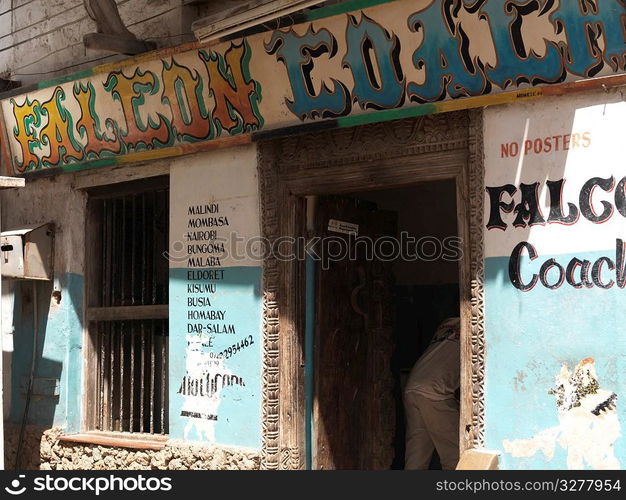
(431, 424)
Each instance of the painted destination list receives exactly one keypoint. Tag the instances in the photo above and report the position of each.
(215, 308)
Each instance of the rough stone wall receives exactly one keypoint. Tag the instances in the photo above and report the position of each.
(43, 450)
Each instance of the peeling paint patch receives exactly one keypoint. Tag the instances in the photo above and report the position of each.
(201, 388)
(588, 422)
(543, 442)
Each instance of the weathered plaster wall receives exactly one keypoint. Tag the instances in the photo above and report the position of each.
(202, 178)
(55, 200)
(46, 452)
(215, 341)
(59, 303)
(555, 316)
(40, 39)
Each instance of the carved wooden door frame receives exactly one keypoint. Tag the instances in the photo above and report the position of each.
(382, 155)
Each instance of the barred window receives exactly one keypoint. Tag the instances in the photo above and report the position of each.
(127, 313)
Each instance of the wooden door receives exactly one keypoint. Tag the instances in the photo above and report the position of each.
(354, 413)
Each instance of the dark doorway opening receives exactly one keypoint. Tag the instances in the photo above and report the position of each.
(376, 310)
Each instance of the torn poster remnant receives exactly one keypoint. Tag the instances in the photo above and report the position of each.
(588, 422)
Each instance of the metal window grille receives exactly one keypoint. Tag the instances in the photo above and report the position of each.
(128, 315)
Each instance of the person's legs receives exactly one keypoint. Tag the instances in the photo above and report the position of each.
(419, 446)
(441, 418)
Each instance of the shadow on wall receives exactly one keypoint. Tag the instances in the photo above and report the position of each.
(45, 396)
(30, 456)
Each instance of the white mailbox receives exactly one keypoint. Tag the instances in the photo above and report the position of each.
(27, 253)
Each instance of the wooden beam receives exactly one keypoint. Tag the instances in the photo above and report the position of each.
(137, 442)
(125, 173)
(127, 313)
(117, 44)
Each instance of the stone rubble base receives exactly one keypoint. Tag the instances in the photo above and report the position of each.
(42, 450)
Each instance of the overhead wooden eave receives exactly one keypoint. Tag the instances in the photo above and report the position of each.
(246, 14)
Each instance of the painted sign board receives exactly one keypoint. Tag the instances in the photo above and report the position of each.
(215, 300)
(555, 278)
(385, 61)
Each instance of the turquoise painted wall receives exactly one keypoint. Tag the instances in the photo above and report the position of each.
(530, 336)
(226, 410)
(59, 351)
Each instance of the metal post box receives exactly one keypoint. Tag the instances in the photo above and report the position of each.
(27, 253)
